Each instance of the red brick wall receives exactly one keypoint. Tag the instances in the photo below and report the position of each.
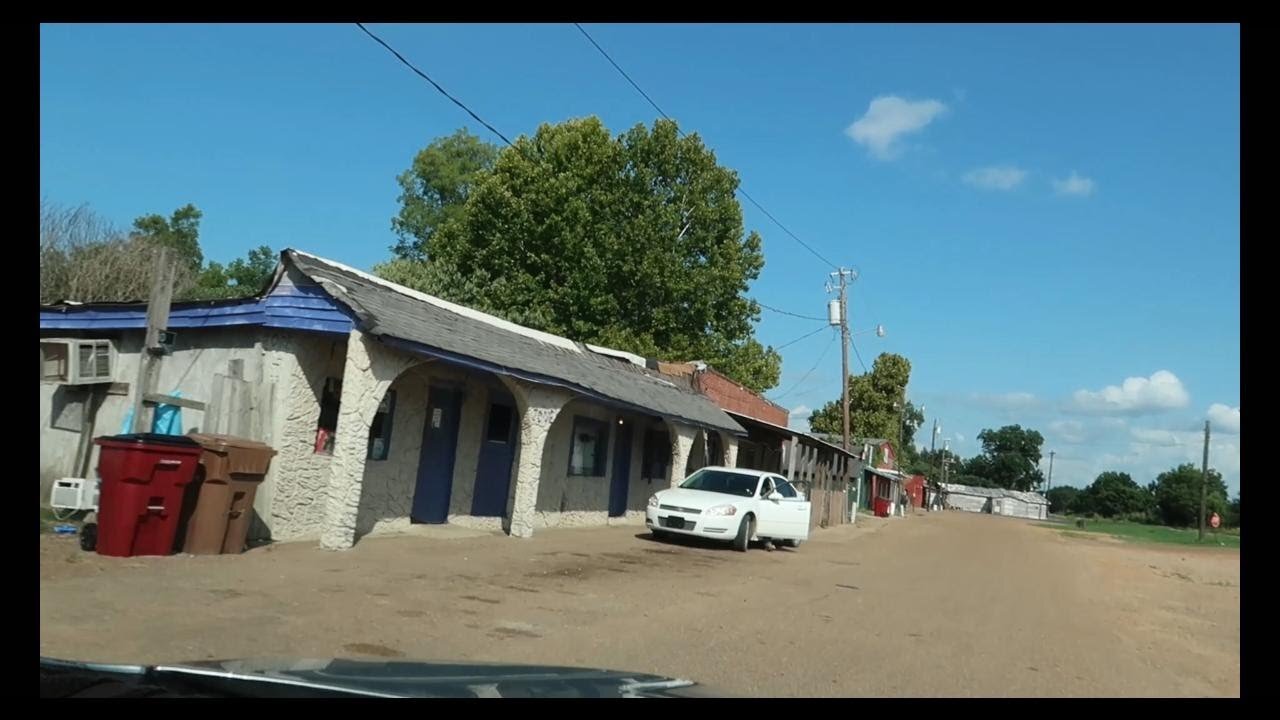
(731, 396)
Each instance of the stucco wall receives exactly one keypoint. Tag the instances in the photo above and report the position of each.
(578, 500)
(389, 484)
(641, 488)
(291, 501)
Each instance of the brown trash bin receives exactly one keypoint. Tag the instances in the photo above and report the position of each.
(230, 470)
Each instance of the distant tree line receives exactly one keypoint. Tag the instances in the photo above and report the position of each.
(1173, 498)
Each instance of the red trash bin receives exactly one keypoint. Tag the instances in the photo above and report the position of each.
(140, 499)
(881, 507)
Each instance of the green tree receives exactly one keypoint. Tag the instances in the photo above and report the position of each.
(242, 277)
(1062, 499)
(1114, 494)
(435, 189)
(1232, 516)
(180, 232)
(1177, 495)
(634, 242)
(873, 405)
(1009, 458)
(83, 257)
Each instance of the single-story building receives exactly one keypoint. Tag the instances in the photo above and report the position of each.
(386, 406)
(879, 483)
(914, 488)
(996, 501)
(1016, 503)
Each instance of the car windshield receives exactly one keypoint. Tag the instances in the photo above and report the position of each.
(722, 481)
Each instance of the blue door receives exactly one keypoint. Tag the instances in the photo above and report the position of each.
(497, 450)
(621, 470)
(435, 462)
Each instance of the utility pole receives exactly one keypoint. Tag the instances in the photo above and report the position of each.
(843, 275)
(1050, 483)
(149, 355)
(1204, 479)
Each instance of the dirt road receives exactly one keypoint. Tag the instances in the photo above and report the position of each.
(941, 604)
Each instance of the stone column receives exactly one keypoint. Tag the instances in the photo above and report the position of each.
(369, 370)
(539, 407)
(730, 443)
(681, 445)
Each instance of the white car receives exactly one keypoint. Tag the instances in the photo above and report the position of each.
(734, 505)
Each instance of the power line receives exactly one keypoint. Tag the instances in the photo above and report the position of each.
(859, 356)
(802, 337)
(622, 72)
(434, 84)
(784, 312)
(744, 193)
(804, 377)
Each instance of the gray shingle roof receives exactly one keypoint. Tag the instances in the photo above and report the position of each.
(387, 310)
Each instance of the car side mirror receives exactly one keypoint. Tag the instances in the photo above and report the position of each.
(775, 495)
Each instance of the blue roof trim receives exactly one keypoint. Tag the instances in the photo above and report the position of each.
(291, 307)
(477, 364)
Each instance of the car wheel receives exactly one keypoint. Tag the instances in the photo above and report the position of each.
(746, 529)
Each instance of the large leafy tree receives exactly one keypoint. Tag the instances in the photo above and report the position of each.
(1177, 495)
(241, 277)
(1009, 458)
(180, 232)
(435, 189)
(1062, 498)
(1113, 494)
(876, 406)
(634, 241)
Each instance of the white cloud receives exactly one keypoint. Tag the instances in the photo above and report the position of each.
(889, 118)
(995, 177)
(1075, 432)
(1224, 419)
(1159, 438)
(803, 410)
(1075, 184)
(798, 417)
(1135, 396)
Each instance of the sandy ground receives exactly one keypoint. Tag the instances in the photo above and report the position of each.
(941, 604)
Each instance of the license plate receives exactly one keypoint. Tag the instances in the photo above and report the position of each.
(675, 522)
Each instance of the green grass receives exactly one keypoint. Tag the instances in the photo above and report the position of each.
(1138, 532)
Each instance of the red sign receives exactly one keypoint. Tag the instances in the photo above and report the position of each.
(1214, 520)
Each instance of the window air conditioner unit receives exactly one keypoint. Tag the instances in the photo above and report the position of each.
(74, 494)
(75, 361)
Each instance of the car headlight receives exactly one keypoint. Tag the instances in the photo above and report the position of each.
(653, 501)
(721, 510)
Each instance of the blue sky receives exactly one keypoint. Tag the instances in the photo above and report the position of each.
(1038, 213)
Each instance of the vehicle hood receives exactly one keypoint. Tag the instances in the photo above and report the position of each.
(696, 499)
(336, 677)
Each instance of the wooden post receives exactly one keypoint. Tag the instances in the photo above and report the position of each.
(157, 320)
(84, 450)
(790, 447)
